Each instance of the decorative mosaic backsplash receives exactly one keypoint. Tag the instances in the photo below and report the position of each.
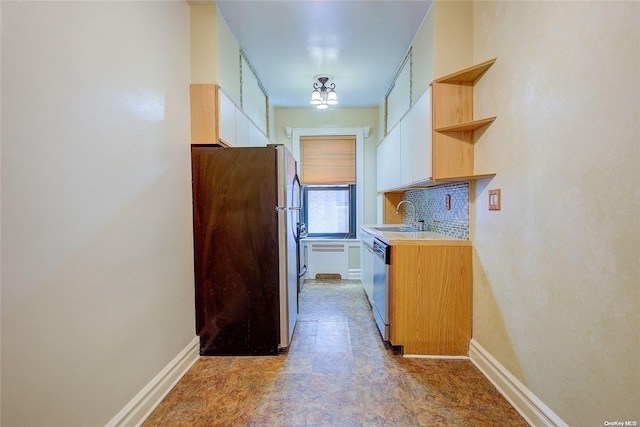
(431, 207)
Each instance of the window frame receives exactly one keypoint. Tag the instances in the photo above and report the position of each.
(359, 134)
(351, 188)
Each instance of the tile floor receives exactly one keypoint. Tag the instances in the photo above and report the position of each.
(337, 372)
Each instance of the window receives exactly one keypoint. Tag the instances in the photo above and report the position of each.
(329, 210)
(328, 177)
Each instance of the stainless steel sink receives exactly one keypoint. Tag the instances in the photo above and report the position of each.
(398, 228)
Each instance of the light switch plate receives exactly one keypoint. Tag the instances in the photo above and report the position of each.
(494, 200)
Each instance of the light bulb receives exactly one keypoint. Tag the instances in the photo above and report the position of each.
(315, 98)
(332, 98)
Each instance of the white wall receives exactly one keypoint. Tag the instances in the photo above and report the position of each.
(556, 271)
(97, 262)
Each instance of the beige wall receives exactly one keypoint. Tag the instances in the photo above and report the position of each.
(556, 272)
(97, 261)
(337, 118)
(214, 51)
(453, 36)
(203, 46)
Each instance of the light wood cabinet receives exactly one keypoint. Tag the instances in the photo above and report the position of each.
(388, 207)
(204, 108)
(430, 298)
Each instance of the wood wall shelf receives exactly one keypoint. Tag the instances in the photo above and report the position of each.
(468, 75)
(465, 178)
(453, 123)
(469, 126)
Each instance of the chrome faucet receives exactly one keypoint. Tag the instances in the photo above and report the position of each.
(411, 204)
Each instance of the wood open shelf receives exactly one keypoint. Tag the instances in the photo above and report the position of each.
(468, 75)
(469, 126)
(465, 178)
(453, 123)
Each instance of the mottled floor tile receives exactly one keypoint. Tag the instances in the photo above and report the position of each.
(337, 372)
(321, 413)
(333, 362)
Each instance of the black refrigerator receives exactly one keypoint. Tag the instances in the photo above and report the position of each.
(246, 221)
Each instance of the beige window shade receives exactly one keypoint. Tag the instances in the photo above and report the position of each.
(328, 160)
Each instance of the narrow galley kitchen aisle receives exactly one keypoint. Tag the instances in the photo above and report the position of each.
(337, 372)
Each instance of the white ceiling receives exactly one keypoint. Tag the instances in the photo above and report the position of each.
(361, 43)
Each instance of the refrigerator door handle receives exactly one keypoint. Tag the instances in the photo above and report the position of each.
(303, 271)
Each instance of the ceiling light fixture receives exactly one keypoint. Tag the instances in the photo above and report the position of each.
(324, 95)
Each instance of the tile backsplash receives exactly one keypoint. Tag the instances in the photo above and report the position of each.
(430, 206)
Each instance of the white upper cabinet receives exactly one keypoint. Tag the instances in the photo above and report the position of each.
(227, 119)
(236, 129)
(242, 129)
(404, 156)
(408, 131)
(415, 148)
(256, 137)
(388, 161)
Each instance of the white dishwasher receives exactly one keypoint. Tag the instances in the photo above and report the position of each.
(382, 260)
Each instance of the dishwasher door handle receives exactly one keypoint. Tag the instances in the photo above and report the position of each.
(383, 252)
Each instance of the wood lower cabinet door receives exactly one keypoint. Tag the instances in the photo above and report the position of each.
(430, 299)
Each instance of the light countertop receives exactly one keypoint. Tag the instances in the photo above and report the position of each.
(411, 237)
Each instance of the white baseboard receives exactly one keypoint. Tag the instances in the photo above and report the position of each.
(434, 356)
(532, 409)
(354, 274)
(143, 403)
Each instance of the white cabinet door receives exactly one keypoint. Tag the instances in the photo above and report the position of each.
(416, 142)
(388, 161)
(242, 129)
(264, 139)
(256, 137)
(227, 118)
(407, 130)
(421, 146)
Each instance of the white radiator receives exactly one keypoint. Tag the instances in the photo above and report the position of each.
(327, 258)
